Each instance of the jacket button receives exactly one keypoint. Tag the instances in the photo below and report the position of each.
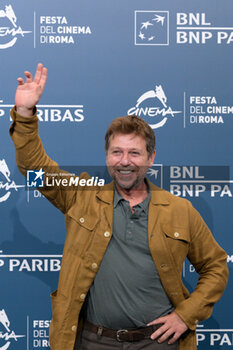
(106, 234)
(82, 296)
(94, 266)
(81, 220)
(176, 234)
(163, 266)
(73, 328)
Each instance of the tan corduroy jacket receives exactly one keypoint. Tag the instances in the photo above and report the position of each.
(175, 231)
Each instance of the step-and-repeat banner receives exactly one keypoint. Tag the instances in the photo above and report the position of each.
(169, 62)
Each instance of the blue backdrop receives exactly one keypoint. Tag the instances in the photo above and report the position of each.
(169, 62)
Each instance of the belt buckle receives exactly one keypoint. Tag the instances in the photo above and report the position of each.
(119, 332)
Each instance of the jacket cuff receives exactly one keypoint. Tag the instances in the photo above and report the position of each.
(23, 124)
(191, 313)
(192, 324)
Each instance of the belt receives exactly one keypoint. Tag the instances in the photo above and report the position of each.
(128, 335)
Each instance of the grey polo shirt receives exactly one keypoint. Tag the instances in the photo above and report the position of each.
(127, 291)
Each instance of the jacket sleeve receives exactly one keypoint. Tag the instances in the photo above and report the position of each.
(210, 262)
(30, 155)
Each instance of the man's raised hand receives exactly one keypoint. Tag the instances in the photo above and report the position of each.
(29, 91)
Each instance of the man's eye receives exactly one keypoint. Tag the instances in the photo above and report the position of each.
(115, 152)
(135, 153)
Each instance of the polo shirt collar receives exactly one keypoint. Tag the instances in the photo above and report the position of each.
(143, 205)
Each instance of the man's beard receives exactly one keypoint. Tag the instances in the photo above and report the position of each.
(127, 181)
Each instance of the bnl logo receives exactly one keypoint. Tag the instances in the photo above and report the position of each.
(155, 175)
(35, 178)
(151, 28)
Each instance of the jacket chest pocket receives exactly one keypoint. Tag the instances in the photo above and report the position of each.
(80, 231)
(177, 239)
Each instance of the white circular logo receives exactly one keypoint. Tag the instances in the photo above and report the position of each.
(159, 109)
(9, 30)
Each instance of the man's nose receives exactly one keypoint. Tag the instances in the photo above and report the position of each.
(125, 159)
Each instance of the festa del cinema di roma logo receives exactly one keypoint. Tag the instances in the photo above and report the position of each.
(6, 335)
(9, 30)
(7, 185)
(158, 109)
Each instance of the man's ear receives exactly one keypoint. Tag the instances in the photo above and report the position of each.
(152, 157)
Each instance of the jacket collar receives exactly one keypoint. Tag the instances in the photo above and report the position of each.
(106, 193)
(158, 195)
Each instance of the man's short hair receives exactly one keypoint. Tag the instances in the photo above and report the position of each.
(131, 124)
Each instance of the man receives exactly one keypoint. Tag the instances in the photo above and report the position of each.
(120, 283)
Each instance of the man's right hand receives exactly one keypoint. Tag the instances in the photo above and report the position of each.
(28, 93)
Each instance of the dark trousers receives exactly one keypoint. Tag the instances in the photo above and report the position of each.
(88, 340)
